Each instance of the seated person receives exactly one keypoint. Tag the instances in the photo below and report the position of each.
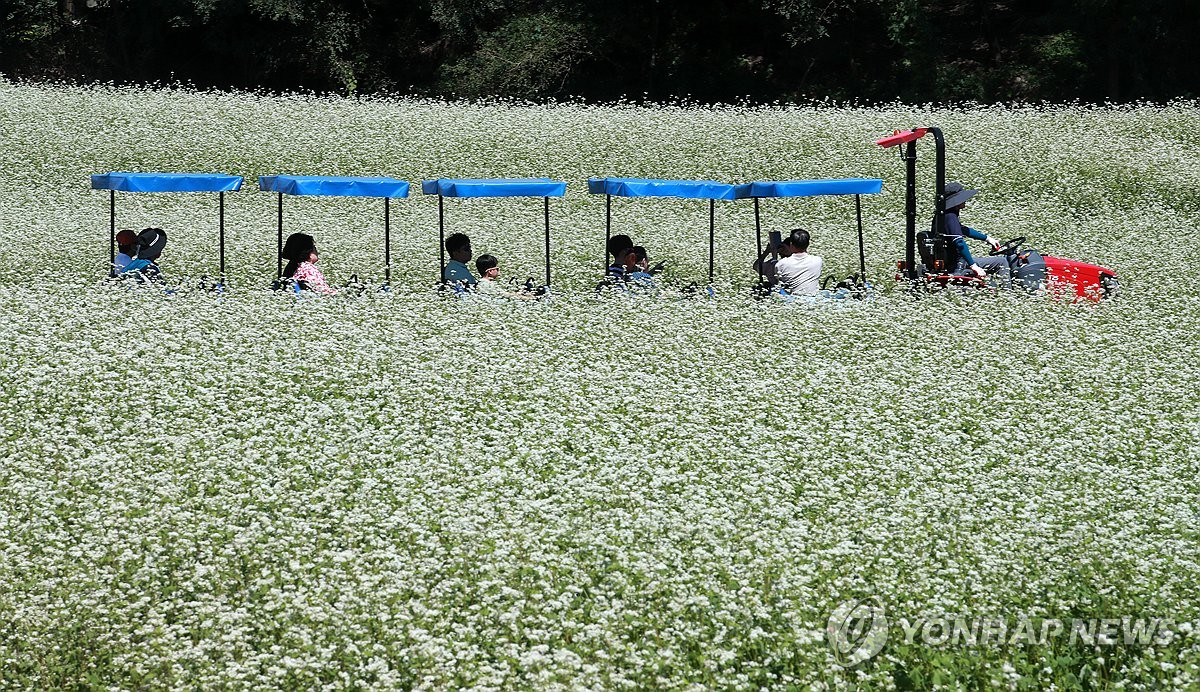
(300, 251)
(148, 250)
(637, 267)
(126, 249)
(766, 267)
(489, 270)
(956, 201)
(618, 247)
(799, 273)
(458, 246)
(489, 273)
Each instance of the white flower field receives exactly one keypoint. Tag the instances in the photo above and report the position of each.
(400, 489)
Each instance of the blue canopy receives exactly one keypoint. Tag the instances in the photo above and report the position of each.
(644, 187)
(167, 182)
(810, 188)
(333, 186)
(494, 187)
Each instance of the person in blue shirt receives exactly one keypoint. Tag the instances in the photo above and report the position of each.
(956, 201)
(126, 249)
(458, 246)
(144, 267)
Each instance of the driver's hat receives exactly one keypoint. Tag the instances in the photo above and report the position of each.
(956, 194)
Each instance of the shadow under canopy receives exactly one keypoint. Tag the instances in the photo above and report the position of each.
(337, 186)
(648, 187)
(492, 187)
(166, 182)
(812, 188)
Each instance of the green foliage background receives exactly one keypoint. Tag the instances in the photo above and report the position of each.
(762, 50)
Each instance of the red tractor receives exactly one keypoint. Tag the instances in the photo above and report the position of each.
(1029, 268)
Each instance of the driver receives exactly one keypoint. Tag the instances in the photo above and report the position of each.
(956, 201)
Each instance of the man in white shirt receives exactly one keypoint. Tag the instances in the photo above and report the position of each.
(800, 273)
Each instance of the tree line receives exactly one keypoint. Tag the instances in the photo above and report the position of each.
(701, 50)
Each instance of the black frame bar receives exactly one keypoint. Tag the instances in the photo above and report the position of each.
(387, 241)
(279, 275)
(112, 232)
(442, 236)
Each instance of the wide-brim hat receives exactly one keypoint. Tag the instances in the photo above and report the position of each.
(150, 243)
(956, 194)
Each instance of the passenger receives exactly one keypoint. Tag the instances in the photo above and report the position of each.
(799, 273)
(956, 201)
(148, 251)
(126, 249)
(766, 267)
(489, 270)
(618, 247)
(458, 246)
(300, 251)
(489, 274)
(637, 267)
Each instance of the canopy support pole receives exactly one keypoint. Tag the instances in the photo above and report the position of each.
(221, 234)
(442, 237)
(387, 242)
(607, 228)
(910, 210)
(758, 242)
(279, 245)
(862, 253)
(546, 209)
(112, 232)
(712, 236)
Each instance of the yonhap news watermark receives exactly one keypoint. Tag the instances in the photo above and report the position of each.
(858, 630)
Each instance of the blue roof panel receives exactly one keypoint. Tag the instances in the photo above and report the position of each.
(494, 187)
(333, 186)
(167, 182)
(646, 187)
(810, 188)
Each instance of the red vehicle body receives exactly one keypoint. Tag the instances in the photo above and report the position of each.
(929, 259)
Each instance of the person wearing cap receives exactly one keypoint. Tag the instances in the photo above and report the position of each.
(149, 247)
(956, 201)
(458, 246)
(799, 273)
(126, 248)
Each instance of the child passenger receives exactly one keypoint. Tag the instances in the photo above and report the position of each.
(489, 273)
(300, 251)
(126, 249)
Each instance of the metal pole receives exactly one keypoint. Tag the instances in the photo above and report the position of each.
(607, 228)
(112, 232)
(279, 270)
(387, 242)
(712, 236)
(862, 253)
(546, 204)
(758, 242)
(221, 234)
(910, 209)
(442, 236)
